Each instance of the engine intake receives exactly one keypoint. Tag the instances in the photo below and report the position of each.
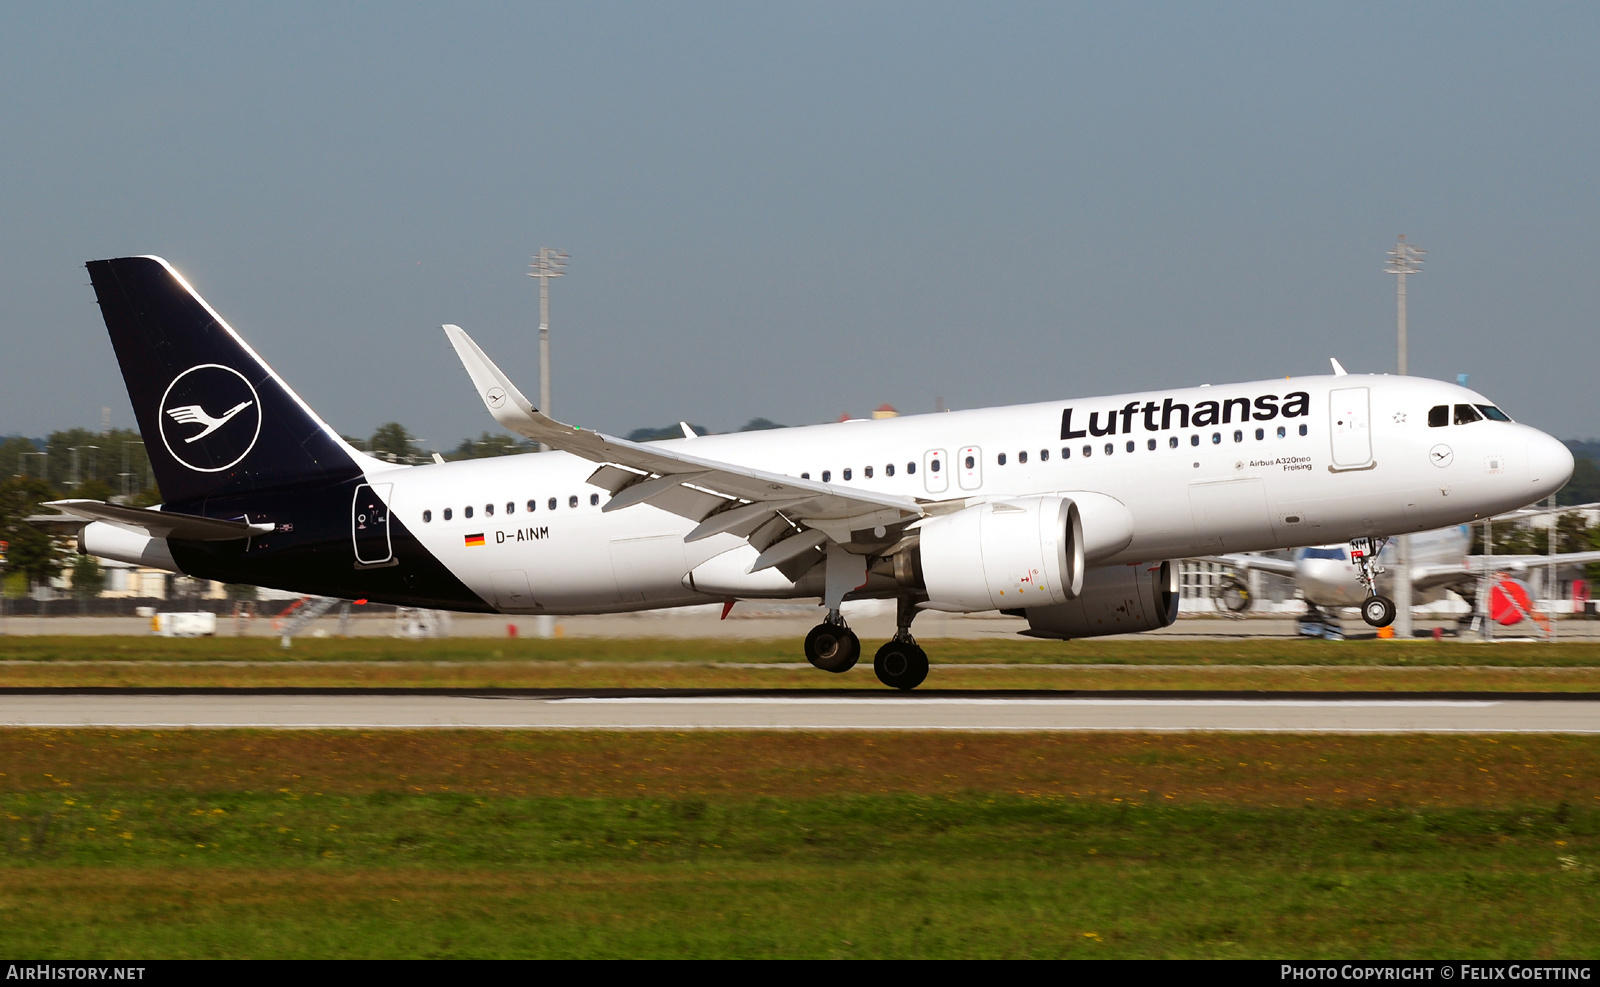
(1002, 555)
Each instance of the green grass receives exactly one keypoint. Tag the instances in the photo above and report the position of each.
(1245, 651)
(254, 844)
(240, 874)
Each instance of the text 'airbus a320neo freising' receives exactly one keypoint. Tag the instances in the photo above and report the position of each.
(1067, 513)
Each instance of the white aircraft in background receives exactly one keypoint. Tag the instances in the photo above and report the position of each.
(1440, 563)
(1067, 512)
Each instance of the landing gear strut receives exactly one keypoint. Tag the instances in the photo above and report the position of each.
(1375, 610)
(901, 664)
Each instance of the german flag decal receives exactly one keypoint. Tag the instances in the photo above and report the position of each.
(474, 540)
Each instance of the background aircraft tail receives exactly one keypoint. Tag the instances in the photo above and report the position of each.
(216, 420)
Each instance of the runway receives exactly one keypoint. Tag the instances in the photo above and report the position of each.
(529, 710)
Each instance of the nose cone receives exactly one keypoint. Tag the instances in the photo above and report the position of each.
(1549, 464)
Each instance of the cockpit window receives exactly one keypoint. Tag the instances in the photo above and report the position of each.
(1467, 414)
(1493, 414)
(1439, 416)
(1336, 554)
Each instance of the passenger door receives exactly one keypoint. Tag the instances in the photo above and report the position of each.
(369, 524)
(1349, 420)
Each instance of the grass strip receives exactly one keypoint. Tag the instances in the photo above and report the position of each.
(1148, 650)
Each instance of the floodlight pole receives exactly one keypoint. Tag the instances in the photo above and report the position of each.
(1404, 260)
(550, 263)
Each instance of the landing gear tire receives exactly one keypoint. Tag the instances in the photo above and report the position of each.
(833, 648)
(900, 665)
(1378, 611)
(1234, 594)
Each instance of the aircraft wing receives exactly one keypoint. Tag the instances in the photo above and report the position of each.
(1244, 563)
(763, 507)
(1492, 563)
(160, 524)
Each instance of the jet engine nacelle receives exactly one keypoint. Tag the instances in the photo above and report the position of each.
(1115, 600)
(132, 545)
(1002, 555)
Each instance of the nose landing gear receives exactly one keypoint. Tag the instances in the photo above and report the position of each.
(1375, 610)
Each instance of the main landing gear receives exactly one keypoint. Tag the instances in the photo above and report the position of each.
(900, 664)
(1316, 622)
(832, 646)
(1375, 610)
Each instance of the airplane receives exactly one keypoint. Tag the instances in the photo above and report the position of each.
(1440, 562)
(1068, 513)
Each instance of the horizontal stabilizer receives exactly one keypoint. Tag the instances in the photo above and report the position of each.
(160, 524)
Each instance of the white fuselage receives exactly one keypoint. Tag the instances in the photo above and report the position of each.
(1327, 578)
(1368, 464)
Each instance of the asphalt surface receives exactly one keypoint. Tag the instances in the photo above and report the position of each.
(795, 710)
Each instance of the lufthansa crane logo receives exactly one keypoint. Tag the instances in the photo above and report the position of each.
(210, 418)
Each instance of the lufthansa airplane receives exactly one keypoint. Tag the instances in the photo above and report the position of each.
(1066, 512)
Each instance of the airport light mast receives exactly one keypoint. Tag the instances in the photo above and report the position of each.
(550, 263)
(1404, 260)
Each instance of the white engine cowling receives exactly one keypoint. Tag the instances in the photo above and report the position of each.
(1115, 600)
(1003, 555)
(131, 545)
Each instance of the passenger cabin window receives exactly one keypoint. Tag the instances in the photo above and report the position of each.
(805, 476)
(1088, 451)
(1282, 431)
(533, 505)
(1238, 435)
(511, 507)
(427, 516)
(888, 470)
(488, 510)
(1261, 433)
(447, 513)
(1172, 443)
(1216, 438)
(867, 472)
(848, 472)
(1110, 448)
(1302, 430)
(594, 500)
(1130, 445)
(1044, 455)
(1439, 416)
(1194, 440)
(1002, 460)
(572, 501)
(1493, 414)
(1022, 457)
(1066, 452)
(1466, 414)
(466, 512)
(970, 463)
(551, 503)
(912, 467)
(934, 467)
(827, 475)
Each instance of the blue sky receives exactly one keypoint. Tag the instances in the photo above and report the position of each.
(801, 210)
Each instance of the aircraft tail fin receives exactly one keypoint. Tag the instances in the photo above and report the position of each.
(216, 419)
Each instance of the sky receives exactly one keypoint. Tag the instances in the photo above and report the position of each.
(802, 210)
